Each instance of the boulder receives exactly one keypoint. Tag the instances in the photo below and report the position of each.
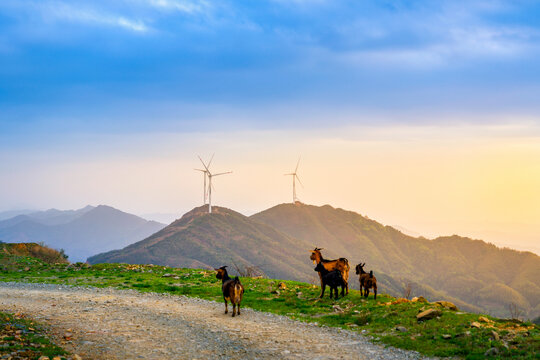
(447, 305)
(419, 299)
(428, 314)
(484, 319)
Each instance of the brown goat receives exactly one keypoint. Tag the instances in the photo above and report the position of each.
(367, 281)
(340, 264)
(232, 290)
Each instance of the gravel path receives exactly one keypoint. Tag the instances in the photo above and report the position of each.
(124, 324)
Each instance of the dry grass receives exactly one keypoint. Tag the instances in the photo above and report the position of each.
(42, 252)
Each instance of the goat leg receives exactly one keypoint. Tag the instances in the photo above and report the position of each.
(233, 309)
(226, 307)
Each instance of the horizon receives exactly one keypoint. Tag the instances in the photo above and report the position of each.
(419, 114)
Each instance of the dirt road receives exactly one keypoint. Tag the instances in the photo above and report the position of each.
(117, 324)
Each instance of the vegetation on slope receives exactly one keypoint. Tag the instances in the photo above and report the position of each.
(39, 251)
(387, 320)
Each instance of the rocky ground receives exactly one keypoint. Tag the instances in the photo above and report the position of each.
(119, 324)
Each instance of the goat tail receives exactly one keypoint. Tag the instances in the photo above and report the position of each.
(238, 290)
(371, 274)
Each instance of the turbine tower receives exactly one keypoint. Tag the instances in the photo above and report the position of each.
(294, 177)
(205, 174)
(210, 176)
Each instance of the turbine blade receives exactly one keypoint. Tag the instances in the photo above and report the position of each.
(298, 163)
(200, 170)
(210, 162)
(223, 173)
(299, 180)
(289, 174)
(206, 167)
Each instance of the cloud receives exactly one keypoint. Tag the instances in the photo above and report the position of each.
(66, 12)
(185, 6)
(73, 12)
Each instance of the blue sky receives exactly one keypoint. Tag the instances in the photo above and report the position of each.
(179, 65)
(423, 114)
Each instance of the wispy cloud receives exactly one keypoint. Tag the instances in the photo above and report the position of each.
(74, 12)
(459, 45)
(186, 6)
(67, 12)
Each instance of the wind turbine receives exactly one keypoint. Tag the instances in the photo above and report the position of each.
(205, 173)
(210, 176)
(294, 177)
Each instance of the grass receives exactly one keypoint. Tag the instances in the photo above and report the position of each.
(451, 334)
(25, 338)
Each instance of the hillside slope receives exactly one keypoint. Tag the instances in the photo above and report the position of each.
(224, 237)
(80, 233)
(473, 273)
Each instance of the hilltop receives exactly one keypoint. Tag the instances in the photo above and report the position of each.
(225, 237)
(81, 232)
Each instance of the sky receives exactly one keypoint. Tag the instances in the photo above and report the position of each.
(422, 114)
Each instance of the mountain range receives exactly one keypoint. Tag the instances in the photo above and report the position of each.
(224, 237)
(80, 233)
(475, 275)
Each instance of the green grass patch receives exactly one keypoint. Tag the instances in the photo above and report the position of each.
(26, 338)
(450, 334)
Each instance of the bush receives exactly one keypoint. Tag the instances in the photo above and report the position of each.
(40, 252)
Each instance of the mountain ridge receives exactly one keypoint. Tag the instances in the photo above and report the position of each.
(81, 233)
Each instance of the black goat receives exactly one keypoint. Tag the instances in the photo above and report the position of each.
(332, 279)
(231, 288)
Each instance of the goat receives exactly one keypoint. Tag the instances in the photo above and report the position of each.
(340, 264)
(367, 281)
(231, 288)
(331, 278)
